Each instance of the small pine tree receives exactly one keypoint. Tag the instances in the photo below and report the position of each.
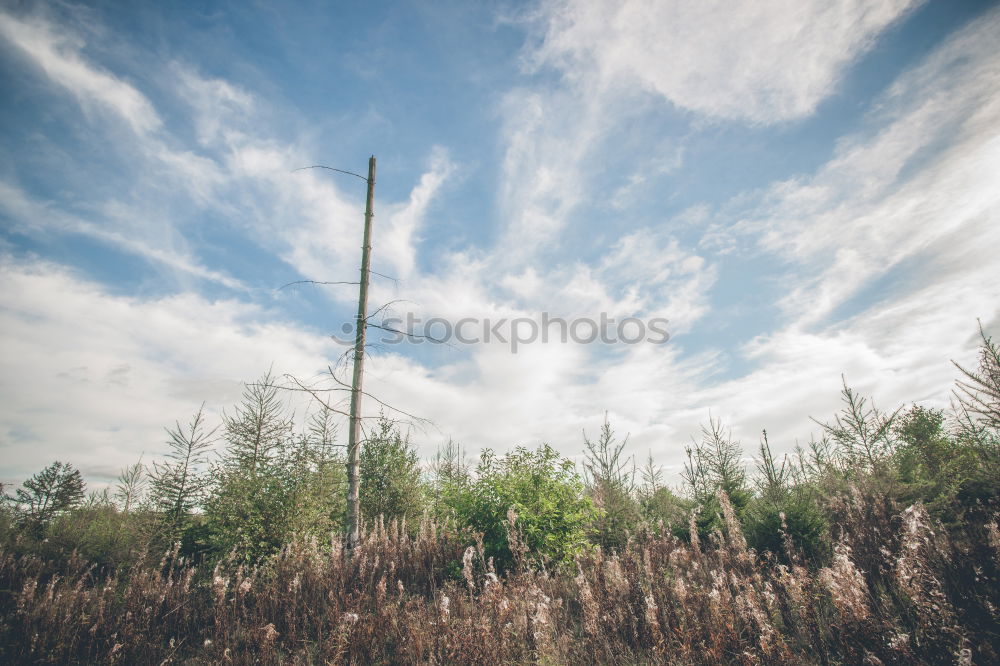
(176, 485)
(610, 478)
(783, 518)
(772, 479)
(131, 487)
(978, 394)
(250, 504)
(257, 429)
(862, 435)
(450, 476)
(716, 463)
(316, 476)
(390, 475)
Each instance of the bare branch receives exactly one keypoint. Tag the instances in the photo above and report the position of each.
(292, 284)
(320, 166)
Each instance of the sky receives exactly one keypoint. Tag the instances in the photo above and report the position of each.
(807, 190)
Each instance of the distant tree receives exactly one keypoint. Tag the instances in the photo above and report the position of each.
(716, 463)
(55, 489)
(390, 475)
(7, 519)
(659, 503)
(782, 517)
(249, 508)
(924, 440)
(651, 474)
(773, 479)
(316, 476)
(271, 483)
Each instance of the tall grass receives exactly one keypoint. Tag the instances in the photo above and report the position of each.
(896, 590)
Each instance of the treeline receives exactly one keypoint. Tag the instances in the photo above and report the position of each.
(877, 542)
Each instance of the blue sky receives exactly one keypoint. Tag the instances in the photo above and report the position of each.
(804, 189)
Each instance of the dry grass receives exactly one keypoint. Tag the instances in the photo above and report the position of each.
(897, 591)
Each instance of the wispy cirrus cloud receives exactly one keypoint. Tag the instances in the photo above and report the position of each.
(33, 217)
(757, 63)
(886, 251)
(57, 54)
(918, 182)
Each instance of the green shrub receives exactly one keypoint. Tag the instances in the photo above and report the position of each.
(544, 492)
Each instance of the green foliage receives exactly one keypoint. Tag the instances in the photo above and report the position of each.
(248, 514)
(450, 476)
(317, 477)
(610, 479)
(663, 504)
(129, 493)
(177, 484)
(979, 392)
(545, 494)
(715, 463)
(939, 469)
(270, 484)
(57, 488)
(659, 504)
(258, 429)
(784, 518)
(862, 434)
(797, 517)
(100, 534)
(390, 475)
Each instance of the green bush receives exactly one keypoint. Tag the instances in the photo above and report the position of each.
(544, 492)
(797, 517)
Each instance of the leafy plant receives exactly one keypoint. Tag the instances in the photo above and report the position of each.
(547, 497)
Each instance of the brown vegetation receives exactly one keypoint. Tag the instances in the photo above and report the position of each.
(896, 591)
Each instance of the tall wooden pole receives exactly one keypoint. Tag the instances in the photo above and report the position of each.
(353, 437)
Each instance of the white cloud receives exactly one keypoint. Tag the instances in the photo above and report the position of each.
(92, 378)
(919, 185)
(235, 169)
(219, 104)
(399, 235)
(58, 55)
(912, 200)
(763, 62)
(548, 137)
